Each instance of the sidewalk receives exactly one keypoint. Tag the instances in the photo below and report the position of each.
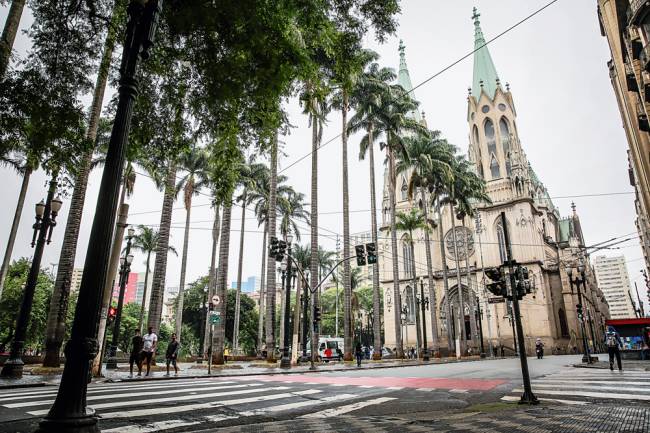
(543, 419)
(631, 365)
(35, 375)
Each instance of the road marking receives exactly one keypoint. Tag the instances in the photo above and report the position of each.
(327, 413)
(209, 405)
(590, 382)
(367, 386)
(554, 400)
(298, 404)
(611, 388)
(128, 395)
(425, 389)
(153, 427)
(312, 383)
(600, 395)
(395, 388)
(339, 384)
(458, 391)
(169, 399)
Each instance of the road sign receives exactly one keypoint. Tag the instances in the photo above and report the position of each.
(496, 300)
(215, 319)
(216, 300)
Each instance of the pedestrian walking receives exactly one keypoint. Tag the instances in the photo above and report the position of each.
(358, 353)
(613, 343)
(136, 353)
(172, 354)
(150, 343)
(539, 348)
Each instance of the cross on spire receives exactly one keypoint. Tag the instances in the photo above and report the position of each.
(402, 48)
(475, 16)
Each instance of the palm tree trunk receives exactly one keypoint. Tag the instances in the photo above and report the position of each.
(212, 281)
(235, 331)
(445, 280)
(219, 337)
(393, 239)
(160, 265)
(181, 285)
(470, 292)
(270, 271)
(347, 287)
(144, 293)
(376, 295)
(296, 319)
(459, 283)
(433, 304)
(260, 320)
(313, 263)
(418, 333)
(9, 34)
(14, 227)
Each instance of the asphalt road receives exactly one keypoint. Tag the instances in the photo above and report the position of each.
(209, 403)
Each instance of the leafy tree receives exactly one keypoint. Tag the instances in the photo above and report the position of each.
(12, 298)
(248, 321)
(128, 326)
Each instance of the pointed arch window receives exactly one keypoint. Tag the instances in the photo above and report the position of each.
(505, 143)
(479, 156)
(564, 327)
(490, 137)
(501, 238)
(410, 305)
(407, 258)
(494, 167)
(404, 189)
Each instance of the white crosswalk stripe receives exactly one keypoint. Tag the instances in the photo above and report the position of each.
(589, 385)
(164, 405)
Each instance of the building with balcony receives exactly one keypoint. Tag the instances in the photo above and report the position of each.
(626, 25)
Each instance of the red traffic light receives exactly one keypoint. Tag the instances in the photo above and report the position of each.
(112, 312)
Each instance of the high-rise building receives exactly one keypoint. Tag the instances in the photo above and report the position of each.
(626, 25)
(75, 280)
(140, 289)
(614, 281)
(129, 290)
(250, 285)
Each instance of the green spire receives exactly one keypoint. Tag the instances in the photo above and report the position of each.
(484, 71)
(404, 79)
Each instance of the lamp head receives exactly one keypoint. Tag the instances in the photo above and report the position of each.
(56, 204)
(289, 238)
(569, 271)
(581, 268)
(122, 260)
(131, 231)
(40, 209)
(283, 266)
(129, 259)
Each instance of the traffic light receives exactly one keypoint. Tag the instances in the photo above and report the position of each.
(579, 310)
(282, 248)
(371, 251)
(273, 247)
(316, 314)
(498, 285)
(112, 312)
(361, 255)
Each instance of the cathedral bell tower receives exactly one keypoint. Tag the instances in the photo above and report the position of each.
(495, 149)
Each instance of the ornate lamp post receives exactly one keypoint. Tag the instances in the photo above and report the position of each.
(403, 316)
(479, 319)
(45, 221)
(578, 281)
(423, 302)
(285, 361)
(125, 269)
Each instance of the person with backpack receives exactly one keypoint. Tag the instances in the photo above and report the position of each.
(613, 343)
(358, 353)
(172, 354)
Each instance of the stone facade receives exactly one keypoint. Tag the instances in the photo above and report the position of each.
(541, 241)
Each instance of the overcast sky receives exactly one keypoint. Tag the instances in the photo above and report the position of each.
(568, 121)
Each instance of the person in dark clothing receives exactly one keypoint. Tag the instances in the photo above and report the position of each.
(358, 353)
(613, 343)
(172, 354)
(136, 353)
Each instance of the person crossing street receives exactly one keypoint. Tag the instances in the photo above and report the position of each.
(613, 343)
(358, 353)
(136, 353)
(172, 354)
(150, 343)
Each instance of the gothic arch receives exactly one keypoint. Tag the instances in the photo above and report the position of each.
(404, 189)
(409, 302)
(407, 259)
(455, 305)
(504, 130)
(491, 139)
(501, 239)
(564, 327)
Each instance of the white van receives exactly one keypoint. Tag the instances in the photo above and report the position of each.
(327, 349)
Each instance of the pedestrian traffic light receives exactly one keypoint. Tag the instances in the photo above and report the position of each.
(273, 247)
(498, 285)
(371, 252)
(316, 314)
(112, 312)
(361, 255)
(282, 249)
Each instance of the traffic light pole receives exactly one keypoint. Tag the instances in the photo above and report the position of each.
(528, 397)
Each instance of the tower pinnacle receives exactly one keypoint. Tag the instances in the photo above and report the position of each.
(404, 78)
(484, 69)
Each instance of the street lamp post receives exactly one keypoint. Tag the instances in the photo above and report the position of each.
(204, 321)
(479, 318)
(305, 314)
(424, 304)
(577, 282)
(403, 316)
(125, 268)
(45, 221)
(285, 361)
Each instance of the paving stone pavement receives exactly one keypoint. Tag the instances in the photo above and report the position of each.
(553, 419)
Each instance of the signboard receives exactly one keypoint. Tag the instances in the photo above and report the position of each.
(216, 300)
(215, 317)
(496, 300)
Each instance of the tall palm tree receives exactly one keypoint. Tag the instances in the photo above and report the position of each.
(271, 230)
(291, 208)
(9, 34)
(394, 121)
(146, 242)
(250, 174)
(194, 164)
(326, 261)
(55, 331)
(347, 73)
(315, 106)
(428, 164)
(409, 222)
(367, 97)
(212, 278)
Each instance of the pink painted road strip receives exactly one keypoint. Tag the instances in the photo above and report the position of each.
(386, 382)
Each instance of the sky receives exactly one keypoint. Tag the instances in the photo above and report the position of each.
(568, 123)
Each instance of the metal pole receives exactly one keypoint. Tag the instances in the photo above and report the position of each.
(305, 317)
(69, 412)
(586, 357)
(13, 367)
(480, 325)
(488, 314)
(210, 351)
(425, 349)
(111, 362)
(528, 397)
(285, 361)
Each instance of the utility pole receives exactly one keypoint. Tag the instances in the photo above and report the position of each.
(528, 397)
(336, 319)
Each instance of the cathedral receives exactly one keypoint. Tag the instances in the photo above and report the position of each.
(547, 244)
